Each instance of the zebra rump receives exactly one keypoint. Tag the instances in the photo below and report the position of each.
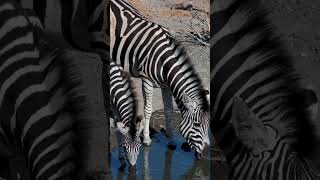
(43, 103)
(258, 105)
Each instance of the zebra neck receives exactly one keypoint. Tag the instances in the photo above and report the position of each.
(184, 81)
(125, 110)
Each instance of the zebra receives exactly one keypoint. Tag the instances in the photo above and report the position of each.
(82, 23)
(262, 127)
(147, 50)
(43, 99)
(93, 39)
(124, 107)
(34, 118)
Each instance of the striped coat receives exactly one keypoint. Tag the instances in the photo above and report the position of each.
(259, 120)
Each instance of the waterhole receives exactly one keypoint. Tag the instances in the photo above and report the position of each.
(158, 162)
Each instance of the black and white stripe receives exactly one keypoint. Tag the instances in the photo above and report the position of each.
(124, 109)
(147, 50)
(34, 118)
(258, 120)
(82, 23)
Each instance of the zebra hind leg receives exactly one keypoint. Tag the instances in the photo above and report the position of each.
(147, 91)
(168, 112)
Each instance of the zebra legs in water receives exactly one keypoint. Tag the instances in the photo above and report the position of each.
(147, 88)
(168, 113)
(147, 91)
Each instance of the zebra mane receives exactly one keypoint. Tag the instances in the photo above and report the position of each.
(255, 21)
(136, 119)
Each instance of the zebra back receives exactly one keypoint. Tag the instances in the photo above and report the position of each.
(123, 98)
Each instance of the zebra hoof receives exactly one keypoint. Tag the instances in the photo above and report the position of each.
(122, 167)
(186, 147)
(172, 146)
(147, 142)
(198, 155)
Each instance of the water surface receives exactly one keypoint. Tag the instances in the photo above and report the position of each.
(158, 162)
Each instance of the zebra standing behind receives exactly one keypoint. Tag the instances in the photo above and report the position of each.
(36, 115)
(147, 50)
(260, 124)
(82, 24)
(124, 109)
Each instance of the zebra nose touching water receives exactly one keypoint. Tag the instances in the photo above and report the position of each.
(147, 50)
(259, 114)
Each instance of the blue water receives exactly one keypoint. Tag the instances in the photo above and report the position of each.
(162, 163)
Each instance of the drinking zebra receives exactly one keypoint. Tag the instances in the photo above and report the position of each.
(147, 50)
(260, 124)
(124, 109)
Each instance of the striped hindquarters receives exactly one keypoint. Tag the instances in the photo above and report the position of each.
(32, 100)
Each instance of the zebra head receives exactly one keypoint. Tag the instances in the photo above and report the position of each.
(194, 125)
(265, 150)
(131, 139)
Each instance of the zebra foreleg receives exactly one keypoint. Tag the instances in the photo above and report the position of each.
(147, 91)
(168, 112)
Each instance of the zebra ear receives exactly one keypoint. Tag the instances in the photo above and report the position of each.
(188, 102)
(121, 127)
(249, 129)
